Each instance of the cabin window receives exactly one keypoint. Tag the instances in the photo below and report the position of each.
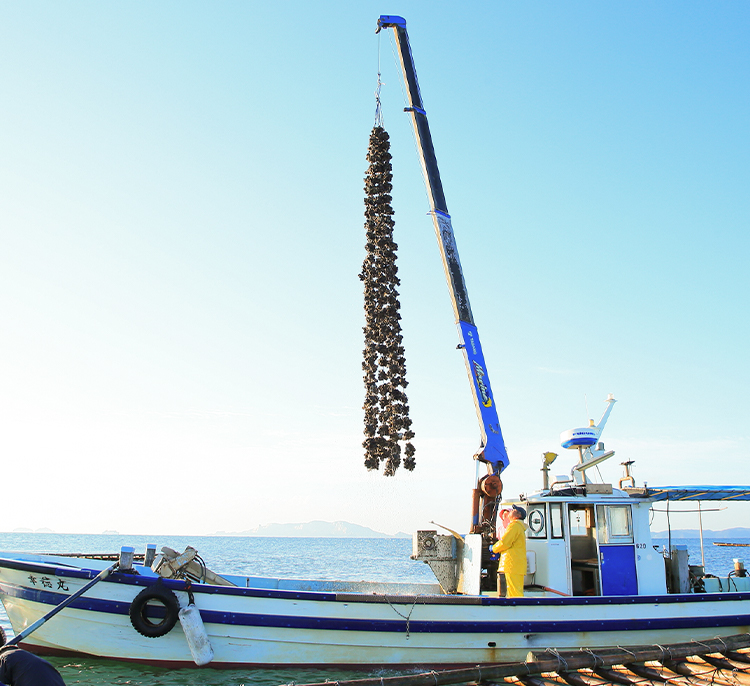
(537, 521)
(556, 520)
(615, 524)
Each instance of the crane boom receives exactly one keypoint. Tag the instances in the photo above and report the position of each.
(492, 449)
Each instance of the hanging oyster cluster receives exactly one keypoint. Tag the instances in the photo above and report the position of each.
(387, 422)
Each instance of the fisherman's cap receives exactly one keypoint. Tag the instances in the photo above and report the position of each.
(519, 511)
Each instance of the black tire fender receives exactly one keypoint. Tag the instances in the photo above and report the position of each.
(142, 623)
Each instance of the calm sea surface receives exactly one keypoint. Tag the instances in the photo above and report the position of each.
(331, 558)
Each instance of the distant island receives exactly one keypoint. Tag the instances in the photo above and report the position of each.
(316, 529)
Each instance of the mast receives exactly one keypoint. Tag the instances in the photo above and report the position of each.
(492, 448)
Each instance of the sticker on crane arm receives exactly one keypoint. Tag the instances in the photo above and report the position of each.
(479, 374)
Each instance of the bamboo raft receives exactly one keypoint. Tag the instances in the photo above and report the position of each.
(715, 662)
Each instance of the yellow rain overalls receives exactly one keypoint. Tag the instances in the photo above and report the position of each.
(513, 547)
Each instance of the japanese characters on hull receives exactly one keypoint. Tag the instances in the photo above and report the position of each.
(46, 582)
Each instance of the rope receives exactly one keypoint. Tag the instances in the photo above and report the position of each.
(434, 676)
(700, 643)
(203, 567)
(378, 108)
(189, 589)
(406, 617)
(664, 651)
(560, 659)
(627, 651)
(594, 655)
(721, 640)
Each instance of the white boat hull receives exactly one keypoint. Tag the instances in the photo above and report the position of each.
(286, 623)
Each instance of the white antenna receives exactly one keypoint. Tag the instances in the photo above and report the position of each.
(585, 440)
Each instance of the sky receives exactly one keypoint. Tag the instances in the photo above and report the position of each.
(181, 209)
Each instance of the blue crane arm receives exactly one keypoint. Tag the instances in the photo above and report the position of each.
(492, 449)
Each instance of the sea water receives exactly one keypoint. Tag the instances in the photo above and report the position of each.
(356, 559)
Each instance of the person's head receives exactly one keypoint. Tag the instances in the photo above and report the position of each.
(504, 515)
(517, 512)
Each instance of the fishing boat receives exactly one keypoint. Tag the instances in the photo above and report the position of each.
(594, 576)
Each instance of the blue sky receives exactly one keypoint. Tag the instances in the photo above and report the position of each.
(182, 232)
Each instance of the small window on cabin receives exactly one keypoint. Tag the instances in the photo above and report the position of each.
(537, 522)
(556, 520)
(619, 524)
(619, 520)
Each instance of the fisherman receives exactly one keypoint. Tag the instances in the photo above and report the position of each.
(512, 545)
(21, 668)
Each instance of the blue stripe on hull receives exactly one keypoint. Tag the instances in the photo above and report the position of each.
(327, 596)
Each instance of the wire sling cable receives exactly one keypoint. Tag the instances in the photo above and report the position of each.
(378, 107)
(560, 659)
(594, 655)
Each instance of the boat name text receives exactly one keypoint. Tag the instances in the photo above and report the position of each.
(479, 374)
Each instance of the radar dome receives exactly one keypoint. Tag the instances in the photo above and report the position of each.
(579, 438)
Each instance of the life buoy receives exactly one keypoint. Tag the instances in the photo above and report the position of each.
(139, 618)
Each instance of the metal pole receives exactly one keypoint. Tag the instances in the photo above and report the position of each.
(700, 524)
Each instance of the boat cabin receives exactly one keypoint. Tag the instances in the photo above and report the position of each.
(586, 540)
(582, 538)
(588, 544)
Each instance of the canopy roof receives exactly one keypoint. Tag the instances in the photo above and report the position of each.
(691, 492)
